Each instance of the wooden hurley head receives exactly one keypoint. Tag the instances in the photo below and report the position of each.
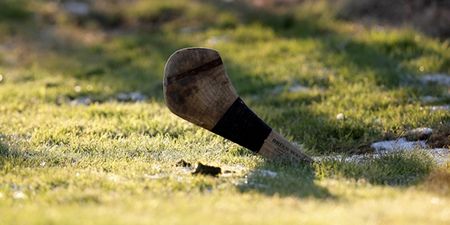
(198, 89)
(196, 86)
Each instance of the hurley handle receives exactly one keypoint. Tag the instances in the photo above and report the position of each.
(276, 146)
(242, 126)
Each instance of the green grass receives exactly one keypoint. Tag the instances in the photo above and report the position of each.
(113, 162)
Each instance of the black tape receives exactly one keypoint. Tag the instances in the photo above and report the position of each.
(242, 126)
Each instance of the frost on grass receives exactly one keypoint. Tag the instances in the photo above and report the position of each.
(19, 195)
(298, 88)
(85, 100)
(265, 173)
(429, 99)
(439, 155)
(440, 79)
(414, 140)
(397, 145)
(435, 79)
(440, 108)
(131, 97)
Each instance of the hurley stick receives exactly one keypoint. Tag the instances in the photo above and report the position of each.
(197, 89)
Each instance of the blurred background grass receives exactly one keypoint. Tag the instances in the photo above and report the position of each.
(333, 75)
(361, 58)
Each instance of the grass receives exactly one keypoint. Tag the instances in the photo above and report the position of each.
(113, 163)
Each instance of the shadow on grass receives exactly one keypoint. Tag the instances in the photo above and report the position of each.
(354, 60)
(294, 180)
(118, 69)
(396, 169)
(123, 59)
(338, 49)
(285, 180)
(133, 60)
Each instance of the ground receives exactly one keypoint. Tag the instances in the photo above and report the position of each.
(74, 150)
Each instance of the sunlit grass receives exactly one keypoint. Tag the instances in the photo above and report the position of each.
(113, 163)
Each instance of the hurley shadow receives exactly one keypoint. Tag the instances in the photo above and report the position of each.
(284, 179)
(120, 71)
(397, 169)
(317, 131)
(354, 60)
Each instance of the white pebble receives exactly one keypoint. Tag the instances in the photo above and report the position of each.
(397, 145)
(340, 116)
(298, 88)
(267, 173)
(442, 79)
(77, 8)
(77, 88)
(435, 201)
(19, 195)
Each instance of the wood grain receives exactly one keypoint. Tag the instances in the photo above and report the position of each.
(277, 147)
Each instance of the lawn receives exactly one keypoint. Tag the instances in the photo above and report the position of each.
(73, 150)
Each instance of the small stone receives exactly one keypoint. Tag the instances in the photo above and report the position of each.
(429, 99)
(131, 97)
(340, 116)
(207, 170)
(397, 145)
(267, 173)
(441, 79)
(81, 101)
(137, 97)
(19, 195)
(122, 97)
(435, 201)
(77, 89)
(298, 88)
(421, 133)
(77, 8)
(440, 108)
